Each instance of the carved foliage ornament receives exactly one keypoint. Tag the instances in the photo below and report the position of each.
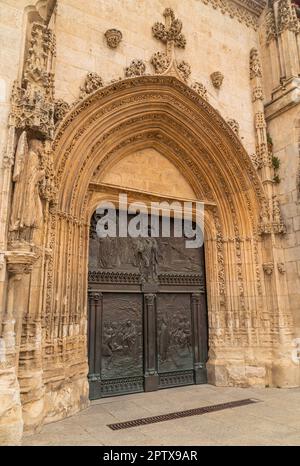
(234, 125)
(136, 68)
(217, 79)
(200, 89)
(92, 83)
(61, 108)
(170, 32)
(113, 38)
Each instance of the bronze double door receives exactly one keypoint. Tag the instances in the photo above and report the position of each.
(147, 325)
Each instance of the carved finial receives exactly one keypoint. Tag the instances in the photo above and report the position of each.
(171, 35)
(171, 31)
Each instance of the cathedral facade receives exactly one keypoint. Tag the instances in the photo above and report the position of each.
(165, 101)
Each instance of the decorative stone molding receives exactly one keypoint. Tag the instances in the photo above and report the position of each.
(201, 90)
(32, 100)
(271, 29)
(281, 267)
(136, 68)
(234, 125)
(245, 11)
(113, 38)
(171, 35)
(260, 122)
(217, 79)
(61, 108)
(271, 219)
(268, 268)
(287, 17)
(91, 84)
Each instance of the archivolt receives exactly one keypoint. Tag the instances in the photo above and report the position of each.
(158, 111)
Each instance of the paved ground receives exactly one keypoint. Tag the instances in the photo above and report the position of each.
(273, 421)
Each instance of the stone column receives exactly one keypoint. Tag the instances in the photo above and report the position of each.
(199, 325)
(150, 343)
(95, 335)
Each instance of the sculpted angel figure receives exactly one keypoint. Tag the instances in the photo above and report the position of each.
(27, 209)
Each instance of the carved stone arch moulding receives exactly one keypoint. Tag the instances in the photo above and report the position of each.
(163, 113)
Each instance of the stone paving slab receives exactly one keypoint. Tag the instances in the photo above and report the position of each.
(273, 421)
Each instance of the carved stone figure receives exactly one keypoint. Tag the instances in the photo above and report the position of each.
(147, 259)
(27, 211)
(255, 65)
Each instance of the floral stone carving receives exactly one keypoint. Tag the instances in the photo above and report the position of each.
(91, 84)
(136, 68)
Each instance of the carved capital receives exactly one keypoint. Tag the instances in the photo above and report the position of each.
(20, 262)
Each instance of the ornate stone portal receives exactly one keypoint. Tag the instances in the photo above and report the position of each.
(62, 159)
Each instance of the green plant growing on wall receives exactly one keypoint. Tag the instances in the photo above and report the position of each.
(269, 140)
(276, 179)
(275, 162)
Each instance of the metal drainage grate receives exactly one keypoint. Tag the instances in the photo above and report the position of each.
(179, 414)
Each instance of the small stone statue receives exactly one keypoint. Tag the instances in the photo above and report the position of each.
(27, 210)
